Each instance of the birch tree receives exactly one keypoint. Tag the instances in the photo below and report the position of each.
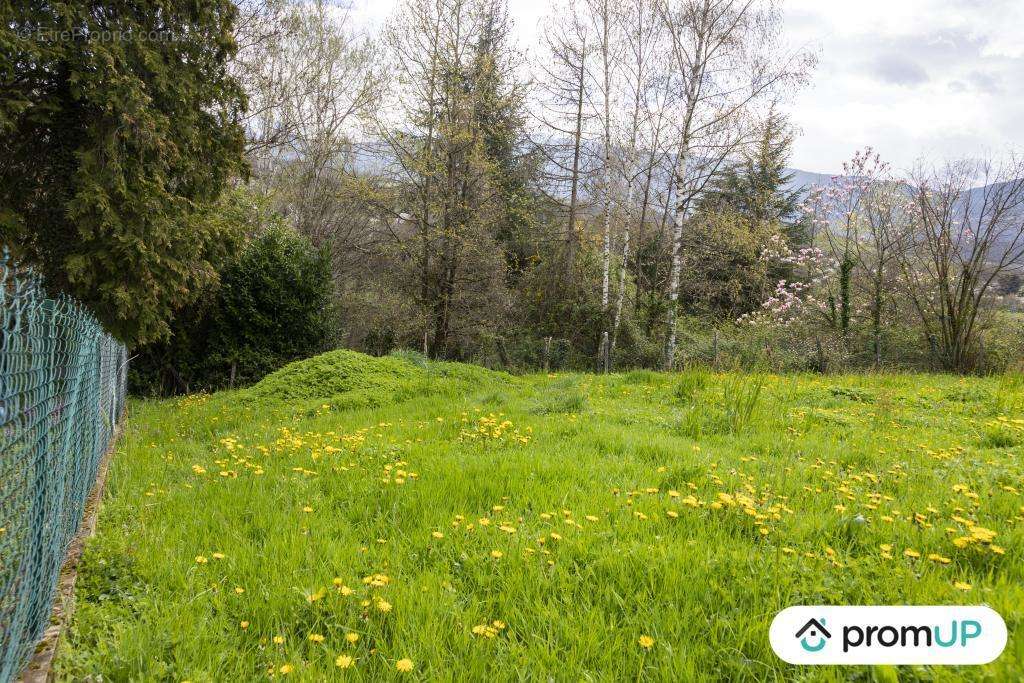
(606, 27)
(646, 101)
(309, 79)
(727, 60)
(336, 86)
(566, 46)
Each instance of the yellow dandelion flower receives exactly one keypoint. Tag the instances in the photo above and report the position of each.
(911, 553)
(217, 556)
(200, 559)
(962, 585)
(437, 534)
(344, 661)
(239, 590)
(497, 554)
(646, 642)
(286, 669)
(278, 640)
(383, 606)
(316, 638)
(244, 625)
(404, 665)
(307, 509)
(352, 637)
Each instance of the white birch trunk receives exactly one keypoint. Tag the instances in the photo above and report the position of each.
(622, 268)
(605, 350)
(678, 216)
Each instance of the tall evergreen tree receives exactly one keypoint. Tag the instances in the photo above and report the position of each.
(118, 127)
(498, 112)
(757, 186)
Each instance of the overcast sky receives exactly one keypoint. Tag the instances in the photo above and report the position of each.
(913, 78)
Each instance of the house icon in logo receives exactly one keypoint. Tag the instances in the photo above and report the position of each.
(814, 629)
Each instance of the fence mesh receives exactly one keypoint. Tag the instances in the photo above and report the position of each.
(62, 390)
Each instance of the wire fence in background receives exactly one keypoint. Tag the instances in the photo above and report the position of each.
(62, 392)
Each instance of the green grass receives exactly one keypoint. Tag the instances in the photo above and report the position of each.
(687, 508)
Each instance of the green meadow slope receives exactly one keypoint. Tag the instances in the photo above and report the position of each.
(376, 518)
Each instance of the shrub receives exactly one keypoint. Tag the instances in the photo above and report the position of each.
(271, 307)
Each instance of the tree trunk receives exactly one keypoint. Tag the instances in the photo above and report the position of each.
(425, 199)
(640, 232)
(606, 209)
(845, 271)
(621, 295)
(876, 321)
(570, 232)
(677, 263)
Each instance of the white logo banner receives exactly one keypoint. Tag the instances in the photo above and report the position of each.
(888, 635)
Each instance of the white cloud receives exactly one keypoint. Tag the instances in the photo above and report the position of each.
(913, 78)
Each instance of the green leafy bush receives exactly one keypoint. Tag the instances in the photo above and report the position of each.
(272, 306)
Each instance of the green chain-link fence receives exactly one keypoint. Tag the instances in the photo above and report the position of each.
(62, 389)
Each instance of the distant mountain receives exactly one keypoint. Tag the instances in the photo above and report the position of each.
(804, 180)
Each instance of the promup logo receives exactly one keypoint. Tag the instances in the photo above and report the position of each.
(813, 629)
(888, 635)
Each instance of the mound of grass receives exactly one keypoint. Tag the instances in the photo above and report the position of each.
(338, 373)
(461, 374)
(349, 380)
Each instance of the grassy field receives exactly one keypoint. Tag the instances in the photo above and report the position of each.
(389, 518)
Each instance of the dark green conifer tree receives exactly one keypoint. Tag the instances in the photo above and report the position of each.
(118, 128)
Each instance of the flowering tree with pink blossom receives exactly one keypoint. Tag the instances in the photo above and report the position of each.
(796, 300)
(859, 225)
